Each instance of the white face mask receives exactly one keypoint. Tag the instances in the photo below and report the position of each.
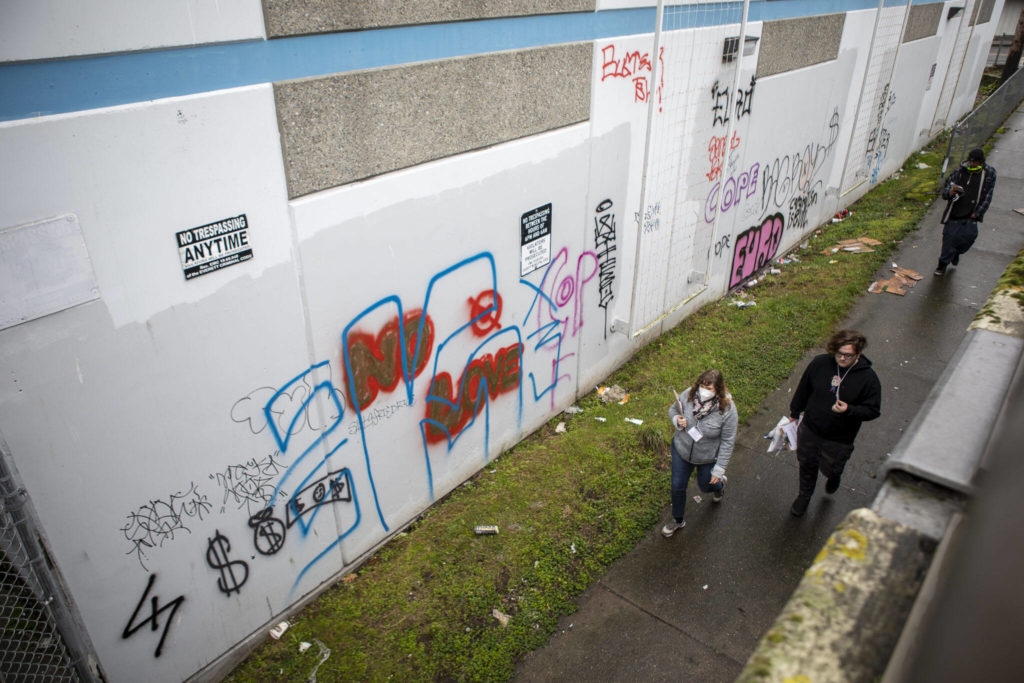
(706, 394)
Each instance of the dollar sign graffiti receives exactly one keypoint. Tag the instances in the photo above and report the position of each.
(268, 531)
(217, 557)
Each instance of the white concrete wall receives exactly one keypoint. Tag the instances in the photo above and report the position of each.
(45, 29)
(154, 423)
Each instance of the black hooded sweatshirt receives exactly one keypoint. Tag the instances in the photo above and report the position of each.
(814, 397)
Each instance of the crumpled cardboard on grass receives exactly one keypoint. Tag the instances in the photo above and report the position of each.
(859, 245)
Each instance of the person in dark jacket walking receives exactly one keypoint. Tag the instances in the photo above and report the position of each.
(705, 419)
(968, 191)
(837, 392)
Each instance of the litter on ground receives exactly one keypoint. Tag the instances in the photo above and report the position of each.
(560, 428)
(279, 630)
(860, 245)
(325, 652)
(902, 280)
(634, 420)
(613, 393)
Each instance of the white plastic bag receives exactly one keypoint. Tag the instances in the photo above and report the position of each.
(783, 433)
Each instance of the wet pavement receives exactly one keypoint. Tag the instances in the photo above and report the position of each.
(694, 606)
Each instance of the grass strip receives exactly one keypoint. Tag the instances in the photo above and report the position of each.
(569, 504)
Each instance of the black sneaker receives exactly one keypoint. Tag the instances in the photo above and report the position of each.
(831, 485)
(940, 269)
(956, 260)
(800, 505)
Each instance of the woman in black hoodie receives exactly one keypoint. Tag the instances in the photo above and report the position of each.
(837, 392)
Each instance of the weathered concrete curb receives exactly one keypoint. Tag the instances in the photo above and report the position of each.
(845, 617)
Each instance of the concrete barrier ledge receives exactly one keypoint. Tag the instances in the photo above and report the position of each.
(946, 440)
(846, 615)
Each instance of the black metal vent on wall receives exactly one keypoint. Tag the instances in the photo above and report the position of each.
(732, 46)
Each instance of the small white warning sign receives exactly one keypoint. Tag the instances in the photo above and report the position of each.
(214, 246)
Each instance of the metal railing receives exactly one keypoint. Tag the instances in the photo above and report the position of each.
(977, 127)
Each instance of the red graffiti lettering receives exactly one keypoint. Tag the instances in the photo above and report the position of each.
(377, 360)
(716, 153)
(485, 312)
(632, 66)
(613, 67)
(498, 374)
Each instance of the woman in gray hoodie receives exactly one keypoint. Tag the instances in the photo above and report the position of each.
(705, 420)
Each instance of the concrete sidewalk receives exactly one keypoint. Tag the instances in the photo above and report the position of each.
(693, 607)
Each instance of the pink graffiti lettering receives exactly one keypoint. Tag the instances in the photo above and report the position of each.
(565, 290)
(755, 248)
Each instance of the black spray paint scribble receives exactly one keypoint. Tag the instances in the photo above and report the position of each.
(153, 619)
(268, 532)
(332, 487)
(604, 245)
(722, 98)
(797, 175)
(249, 409)
(251, 484)
(233, 573)
(156, 522)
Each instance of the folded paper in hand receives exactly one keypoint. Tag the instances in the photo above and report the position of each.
(784, 432)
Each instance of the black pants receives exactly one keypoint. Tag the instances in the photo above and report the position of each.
(957, 238)
(817, 454)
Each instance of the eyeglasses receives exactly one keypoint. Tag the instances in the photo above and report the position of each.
(840, 354)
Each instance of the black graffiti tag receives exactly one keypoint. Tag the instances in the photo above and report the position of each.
(604, 245)
(217, 557)
(153, 619)
(268, 532)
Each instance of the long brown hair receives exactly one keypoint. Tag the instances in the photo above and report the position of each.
(714, 378)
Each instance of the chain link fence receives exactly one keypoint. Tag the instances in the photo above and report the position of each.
(978, 126)
(31, 646)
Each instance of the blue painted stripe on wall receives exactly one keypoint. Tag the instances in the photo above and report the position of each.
(68, 85)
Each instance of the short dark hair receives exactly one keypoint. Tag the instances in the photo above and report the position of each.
(844, 337)
(976, 155)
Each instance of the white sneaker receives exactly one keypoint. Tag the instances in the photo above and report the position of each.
(716, 497)
(672, 527)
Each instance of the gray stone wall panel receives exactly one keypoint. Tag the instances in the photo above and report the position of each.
(923, 21)
(299, 17)
(789, 44)
(983, 12)
(346, 127)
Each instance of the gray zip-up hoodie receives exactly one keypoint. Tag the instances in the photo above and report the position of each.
(718, 432)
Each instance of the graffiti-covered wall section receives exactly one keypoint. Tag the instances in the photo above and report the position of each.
(259, 329)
